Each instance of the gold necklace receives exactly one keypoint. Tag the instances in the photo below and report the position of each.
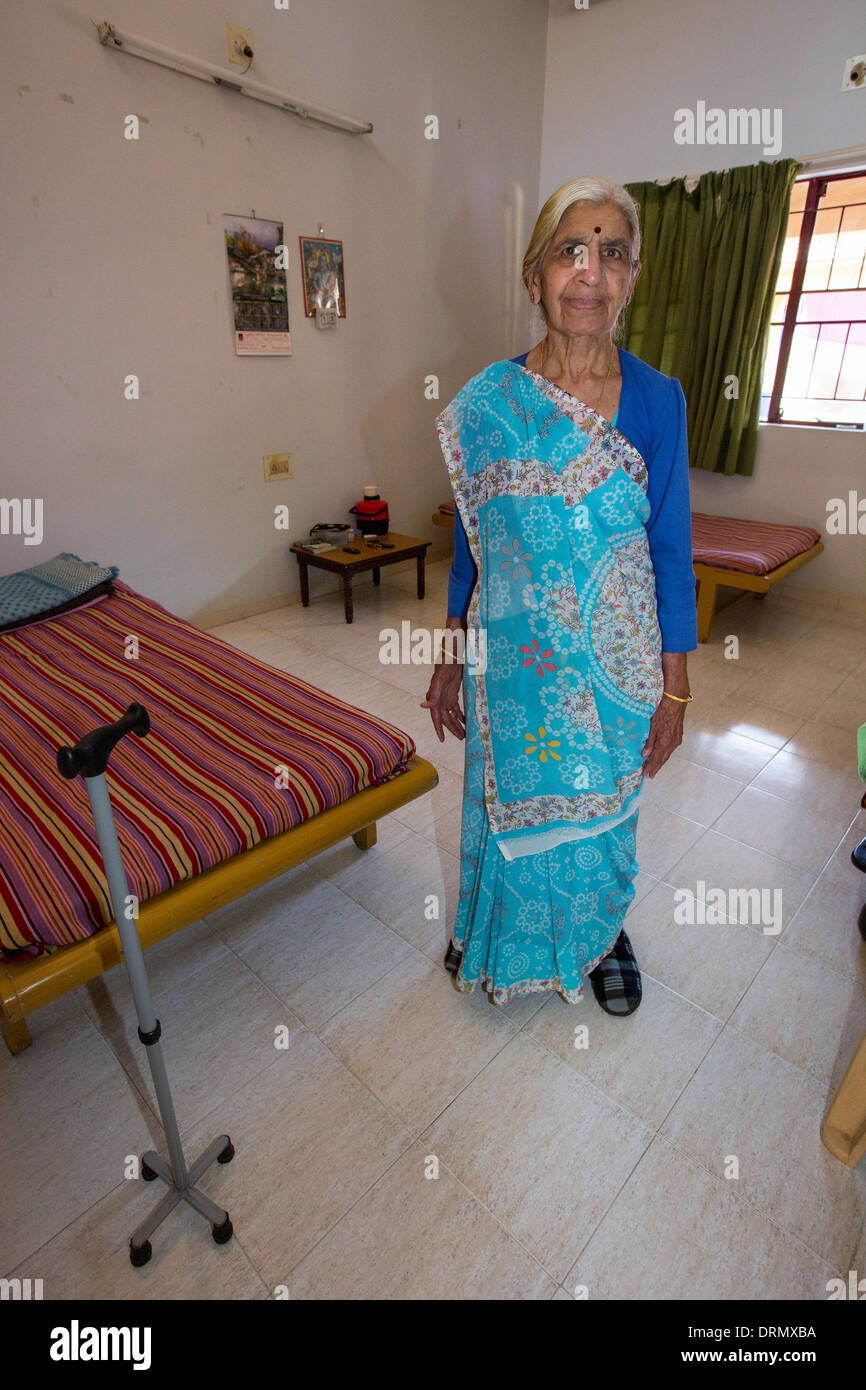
(604, 387)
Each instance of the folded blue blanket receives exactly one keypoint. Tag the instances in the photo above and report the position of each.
(54, 583)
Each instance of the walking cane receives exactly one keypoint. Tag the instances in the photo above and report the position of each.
(90, 758)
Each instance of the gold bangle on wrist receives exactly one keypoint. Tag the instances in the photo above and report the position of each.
(680, 699)
(449, 653)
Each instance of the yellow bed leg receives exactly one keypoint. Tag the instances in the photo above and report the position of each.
(13, 1026)
(706, 607)
(366, 838)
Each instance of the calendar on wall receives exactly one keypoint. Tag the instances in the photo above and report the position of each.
(258, 260)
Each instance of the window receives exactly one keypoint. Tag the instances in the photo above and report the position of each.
(815, 368)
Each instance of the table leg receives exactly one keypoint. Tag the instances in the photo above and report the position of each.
(305, 582)
(421, 576)
(376, 577)
(347, 597)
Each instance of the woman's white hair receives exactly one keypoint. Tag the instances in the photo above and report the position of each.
(585, 190)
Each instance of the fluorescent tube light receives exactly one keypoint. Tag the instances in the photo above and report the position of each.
(207, 72)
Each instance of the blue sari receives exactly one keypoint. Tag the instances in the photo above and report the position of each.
(566, 675)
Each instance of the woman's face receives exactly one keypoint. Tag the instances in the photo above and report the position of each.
(583, 293)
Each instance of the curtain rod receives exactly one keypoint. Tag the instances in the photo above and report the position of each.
(835, 162)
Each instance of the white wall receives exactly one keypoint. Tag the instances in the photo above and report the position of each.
(616, 73)
(115, 264)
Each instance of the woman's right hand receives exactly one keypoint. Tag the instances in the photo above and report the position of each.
(443, 700)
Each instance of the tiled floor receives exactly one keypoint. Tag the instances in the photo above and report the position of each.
(414, 1142)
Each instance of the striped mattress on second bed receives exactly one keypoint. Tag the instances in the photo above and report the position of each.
(238, 752)
(753, 547)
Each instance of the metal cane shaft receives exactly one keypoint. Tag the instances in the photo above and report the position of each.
(118, 888)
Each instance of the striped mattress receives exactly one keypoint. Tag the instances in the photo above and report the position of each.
(753, 547)
(197, 790)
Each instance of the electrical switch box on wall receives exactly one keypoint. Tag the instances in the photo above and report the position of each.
(279, 466)
(237, 39)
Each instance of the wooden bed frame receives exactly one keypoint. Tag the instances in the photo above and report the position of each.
(31, 981)
(709, 578)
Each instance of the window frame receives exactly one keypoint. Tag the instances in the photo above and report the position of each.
(817, 187)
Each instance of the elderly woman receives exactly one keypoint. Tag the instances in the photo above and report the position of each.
(573, 573)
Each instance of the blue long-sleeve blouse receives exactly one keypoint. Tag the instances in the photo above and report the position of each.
(652, 416)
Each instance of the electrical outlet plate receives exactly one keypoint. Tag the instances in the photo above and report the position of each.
(855, 73)
(236, 39)
(279, 466)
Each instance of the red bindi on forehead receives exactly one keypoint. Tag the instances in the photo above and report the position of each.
(598, 229)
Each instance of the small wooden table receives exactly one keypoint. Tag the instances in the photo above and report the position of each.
(347, 566)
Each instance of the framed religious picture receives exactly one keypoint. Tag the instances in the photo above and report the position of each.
(322, 271)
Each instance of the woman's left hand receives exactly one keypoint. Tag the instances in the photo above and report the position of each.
(665, 734)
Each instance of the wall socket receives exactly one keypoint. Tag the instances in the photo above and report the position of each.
(279, 466)
(236, 40)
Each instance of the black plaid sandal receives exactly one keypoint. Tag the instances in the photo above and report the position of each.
(616, 980)
(453, 957)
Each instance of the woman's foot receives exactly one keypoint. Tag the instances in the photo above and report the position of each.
(453, 957)
(616, 980)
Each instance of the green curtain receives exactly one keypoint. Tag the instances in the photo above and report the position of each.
(702, 304)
